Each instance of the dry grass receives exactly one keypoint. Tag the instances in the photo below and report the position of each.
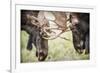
(59, 50)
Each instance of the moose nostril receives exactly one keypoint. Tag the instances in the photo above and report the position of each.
(41, 53)
(81, 43)
(78, 45)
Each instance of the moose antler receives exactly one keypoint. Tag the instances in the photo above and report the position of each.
(60, 19)
(61, 22)
(34, 20)
(43, 23)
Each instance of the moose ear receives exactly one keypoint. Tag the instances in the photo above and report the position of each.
(74, 19)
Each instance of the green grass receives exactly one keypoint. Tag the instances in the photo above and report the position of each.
(59, 49)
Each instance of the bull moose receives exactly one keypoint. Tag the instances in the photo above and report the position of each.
(30, 24)
(37, 26)
(80, 31)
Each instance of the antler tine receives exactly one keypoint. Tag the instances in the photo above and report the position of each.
(33, 20)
